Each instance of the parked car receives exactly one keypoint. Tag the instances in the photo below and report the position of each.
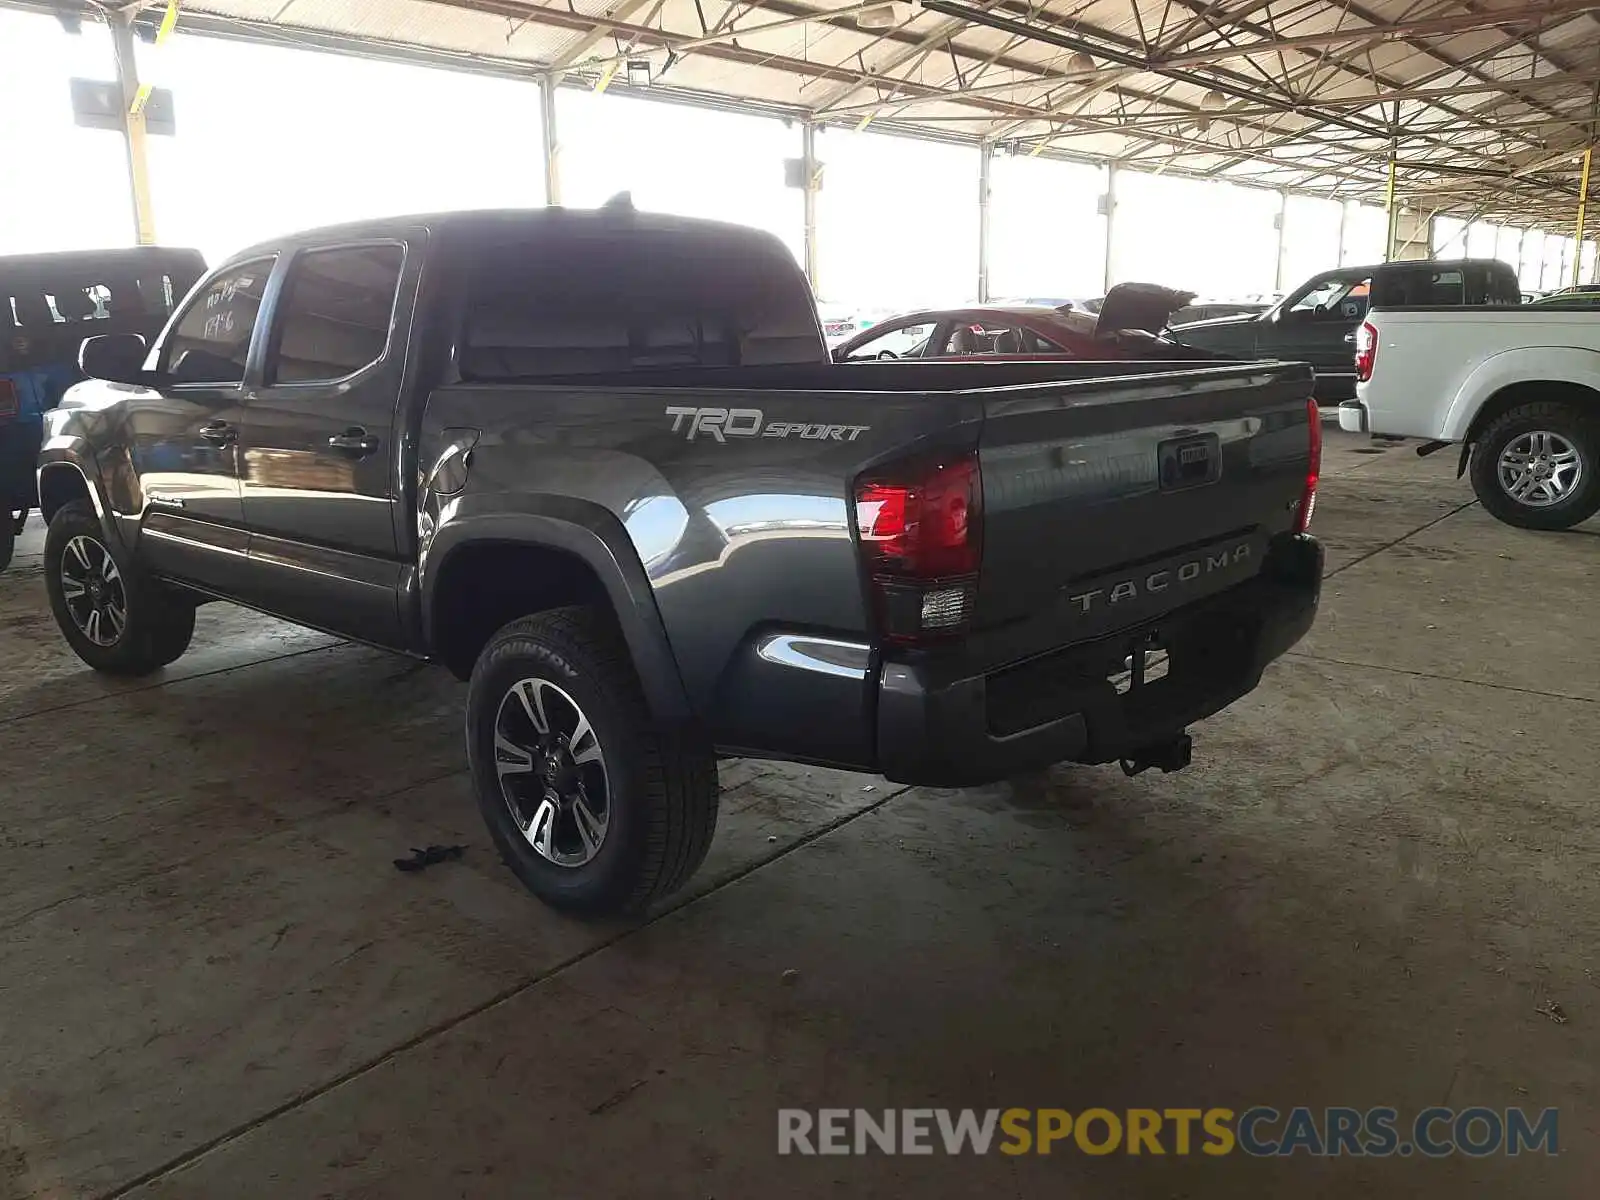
(1316, 322)
(599, 464)
(1583, 296)
(1127, 327)
(1518, 388)
(48, 304)
(839, 326)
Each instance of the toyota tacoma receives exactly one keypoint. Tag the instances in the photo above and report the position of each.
(600, 465)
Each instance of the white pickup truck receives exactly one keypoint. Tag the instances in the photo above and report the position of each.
(1518, 387)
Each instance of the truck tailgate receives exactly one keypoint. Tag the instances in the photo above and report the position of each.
(1110, 502)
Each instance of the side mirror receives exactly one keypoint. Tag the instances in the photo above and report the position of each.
(114, 357)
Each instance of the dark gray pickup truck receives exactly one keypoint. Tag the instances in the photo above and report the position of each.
(599, 464)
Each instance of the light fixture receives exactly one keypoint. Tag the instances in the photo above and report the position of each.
(879, 16)
(639, 72)
(1203, 123)
(1213, 101)
(1080, 63)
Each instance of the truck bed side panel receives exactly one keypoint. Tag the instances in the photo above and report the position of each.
(1436, 367)
(736, 504)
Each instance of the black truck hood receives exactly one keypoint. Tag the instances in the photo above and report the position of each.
(1141, 306)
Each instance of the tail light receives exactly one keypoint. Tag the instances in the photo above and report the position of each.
(1308, 498)
(921, 527)
(1366, 351)
(9, 405)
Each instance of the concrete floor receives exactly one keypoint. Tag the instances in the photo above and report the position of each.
(1379, 869)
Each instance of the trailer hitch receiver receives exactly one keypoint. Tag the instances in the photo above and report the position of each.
(1169, 756)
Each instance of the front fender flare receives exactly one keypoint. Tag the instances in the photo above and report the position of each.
(66, 453)
(591, 534)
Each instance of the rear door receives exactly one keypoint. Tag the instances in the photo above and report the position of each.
(317, 445)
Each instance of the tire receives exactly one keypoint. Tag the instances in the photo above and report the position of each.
(1519, 429)
(8, 543)
(571, 667)
(156, 623)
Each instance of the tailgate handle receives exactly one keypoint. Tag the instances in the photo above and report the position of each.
(1191, 461)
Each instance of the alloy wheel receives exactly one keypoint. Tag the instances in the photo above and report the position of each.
(92, 587)
(552, 772)
(1539, 468)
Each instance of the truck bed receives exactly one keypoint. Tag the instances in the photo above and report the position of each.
(734, 488)
(1436, 368)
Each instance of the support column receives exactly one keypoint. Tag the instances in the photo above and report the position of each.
(1109, 201)
(1344, 216)
(550, 140)
(1583, 205)
(1283, 224)
(985, 161)
(810, 170)
(1390, 207)
(133, 131)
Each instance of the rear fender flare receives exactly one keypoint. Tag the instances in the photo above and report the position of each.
(1526, 364)
(591, 534)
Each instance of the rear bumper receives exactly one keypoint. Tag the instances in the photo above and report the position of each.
(1061, 706)
(1353, 416)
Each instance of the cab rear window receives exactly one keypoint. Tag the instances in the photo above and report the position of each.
(603, 301)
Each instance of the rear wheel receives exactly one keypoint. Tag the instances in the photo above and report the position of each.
(8, 540)
(592, 807)
(116, 618)
(1537, 466)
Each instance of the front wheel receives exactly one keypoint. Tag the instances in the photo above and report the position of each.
(1537, 466)
(593, 808)
(117, 619)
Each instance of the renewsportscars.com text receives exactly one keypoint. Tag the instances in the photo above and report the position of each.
(1259, 1131)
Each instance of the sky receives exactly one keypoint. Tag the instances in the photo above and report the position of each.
(271, 139)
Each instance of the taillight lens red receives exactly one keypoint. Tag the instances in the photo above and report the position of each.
(921, 524)
(1308, 498)
(9, 405)
(921, 528)
(1366, 351)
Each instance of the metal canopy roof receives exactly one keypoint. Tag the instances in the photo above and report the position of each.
(1488, 102)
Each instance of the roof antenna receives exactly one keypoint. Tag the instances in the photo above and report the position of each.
(622, 201)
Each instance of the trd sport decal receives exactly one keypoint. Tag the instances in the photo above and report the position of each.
(725, 423)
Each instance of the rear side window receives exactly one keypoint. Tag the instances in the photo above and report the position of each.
(336, 311)
(630, 299)
(1422, 286)
(212, 338)
(1493, 284)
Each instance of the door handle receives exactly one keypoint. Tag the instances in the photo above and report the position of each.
(218, 433)
(355, 441)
